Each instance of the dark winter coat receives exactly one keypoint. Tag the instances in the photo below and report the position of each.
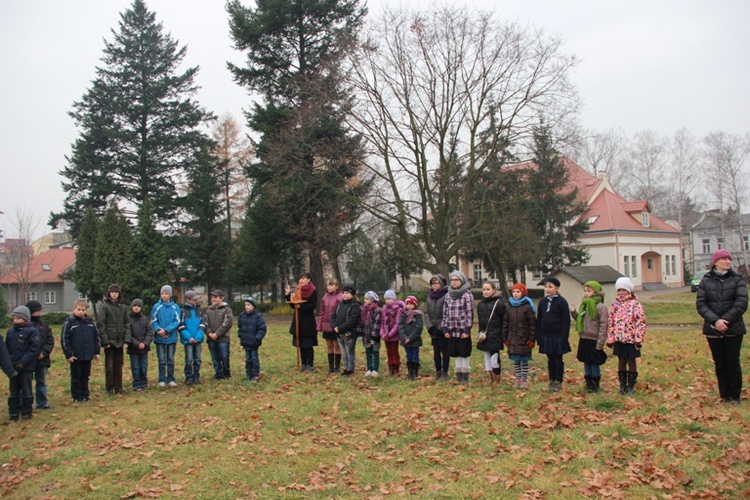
(494, 328)
(113, 322)
(47, 339)
(219, 320)
(411, 331)
(553, 325)
(24, 344)
(722, 297)
(80, 338)
(369, 328)
(519, 327)
(251, 329)
(433, 317)
(6, 364)
(140, 332)
(308, 333)
(346, 317)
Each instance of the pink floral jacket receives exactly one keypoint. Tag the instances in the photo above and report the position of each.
(626, 322)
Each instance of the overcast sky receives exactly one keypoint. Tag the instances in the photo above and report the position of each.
(645, 64)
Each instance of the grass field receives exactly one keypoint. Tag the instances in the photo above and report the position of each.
(314, 435)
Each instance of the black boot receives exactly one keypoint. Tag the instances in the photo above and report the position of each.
(336, 363)
(416, 371)
(623, 378)
(14, 408)
(631, 378)
(587, 381)
(595, 384)
(330, 363)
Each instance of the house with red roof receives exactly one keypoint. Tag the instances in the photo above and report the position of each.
(44, 279)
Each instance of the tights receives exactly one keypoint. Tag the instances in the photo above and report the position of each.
(623, 362)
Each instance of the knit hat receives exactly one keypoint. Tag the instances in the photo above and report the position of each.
(372, 296)
(594, 285)
(459, 275)
(22, 312)
(166, 289)
(411, 299)
(520, 286)
(350, 289)
(136, 302)
(624, 283)
(218, 293)
(252, 301)
(389, 294)
(34, 306)
(190, 295)
(440, 278)
(550, 279)
(719, 254)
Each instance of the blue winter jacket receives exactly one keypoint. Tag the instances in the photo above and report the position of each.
(80, 338)
(191, 324)
(165, 316)
(24, 345)
(252, 329)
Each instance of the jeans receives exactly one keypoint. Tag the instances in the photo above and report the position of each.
(193, 362)
(592, 370)
(252, 362)
(41, 386)
(412, 354)
(347, 344)
(113, 360)
(372, 353)
(165, 355)
(80, 371)
(726, 354)
(139, 369)
(220, 358)
(21, 397)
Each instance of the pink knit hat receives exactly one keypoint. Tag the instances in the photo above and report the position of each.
(719, 254)
(411, 299)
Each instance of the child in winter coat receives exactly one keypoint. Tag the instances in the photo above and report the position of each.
(165, 319)
(251, 328)
(626, 327)
(490, 312)
(344, 322)
(389, 318)
(519, 333)
(218, 320)
(141, 337)
(458, 318)
(553, 330)
(433, 319)
(410, 327)
(591, 325)
(43, 361)
(328, 305)
(80, 342)
(24, 345)
(192, 331)
(369, 330)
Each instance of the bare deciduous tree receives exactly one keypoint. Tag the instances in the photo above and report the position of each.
(441, 97)
(232, 151)
(20, 252)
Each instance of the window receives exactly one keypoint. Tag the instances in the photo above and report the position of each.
(31, 296)
(592, 219)
(477, 274)
(46, 267)
(720, 243)
(674, 265)
(706, 245)
(626, 266)
(666, 264)
(50, 297)
(644, 219)
(634, 272)
(650, 264)
(746, 242)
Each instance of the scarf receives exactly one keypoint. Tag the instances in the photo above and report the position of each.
(410, 314)
(436, 294)
(517, 303)
(303, 292)
(367, 312)
(588, 308)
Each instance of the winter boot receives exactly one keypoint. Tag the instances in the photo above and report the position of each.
(330, 363)
(589, 383)
(416, 371)
(410, 370)
(14, 408)
(438, 376)
(336, 363)
(631, 378)
(465, 378)
(623, 378)
(459, 377)
(595, 384)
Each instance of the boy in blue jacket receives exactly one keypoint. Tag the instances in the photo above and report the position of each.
(192, 331)
(80, 343)
(251, 330)
(24, 345)
(165, 319)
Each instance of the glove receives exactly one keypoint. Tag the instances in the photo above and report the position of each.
(530, 344)
(18, 367)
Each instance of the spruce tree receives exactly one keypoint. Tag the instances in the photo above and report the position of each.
(151, 268)
(308, 159)
(83, 275)
(139, 125)
(113, 256)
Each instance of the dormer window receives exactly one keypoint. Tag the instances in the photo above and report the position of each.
(46, 267)
(645, 219)
(592, 219)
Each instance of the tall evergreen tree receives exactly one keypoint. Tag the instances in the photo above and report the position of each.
(113, 256)
(140, 127)
(206, 237)
(83, 275)
(308, 159)
(151, 268)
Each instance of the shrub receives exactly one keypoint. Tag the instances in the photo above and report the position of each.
(55, 318)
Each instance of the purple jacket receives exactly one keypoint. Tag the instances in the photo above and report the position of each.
(389, 317)
(327, 307)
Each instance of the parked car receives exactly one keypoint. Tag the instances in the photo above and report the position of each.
(697, 277)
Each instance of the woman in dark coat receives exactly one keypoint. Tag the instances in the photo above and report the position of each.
(490, 312)
(721, 301)
(305, 301)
